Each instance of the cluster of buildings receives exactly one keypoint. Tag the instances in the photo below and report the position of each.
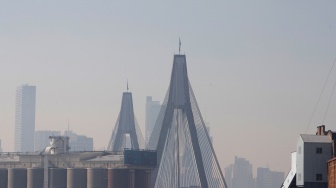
(313, 162)
(27, 139)
(240, 175)
(46, 158)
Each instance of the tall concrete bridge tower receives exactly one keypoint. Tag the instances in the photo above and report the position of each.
(185, 155)
(126, 132)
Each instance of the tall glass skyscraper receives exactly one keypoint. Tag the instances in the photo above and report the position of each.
(25, 118)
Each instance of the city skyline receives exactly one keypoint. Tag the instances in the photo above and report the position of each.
(258, 68)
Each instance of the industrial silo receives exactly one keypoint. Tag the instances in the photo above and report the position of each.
(76, 177)
(118, 178)
(3, 177)
(35, 177)
(57, 178)
(17, 177)
(142, 178)
(97, 178)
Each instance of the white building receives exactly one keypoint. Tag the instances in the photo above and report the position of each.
(313, 152)
(25, 118)
(42, 139)
(152, 112)
(309, 162)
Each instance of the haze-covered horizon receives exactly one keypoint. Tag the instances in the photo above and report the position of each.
(256, 68)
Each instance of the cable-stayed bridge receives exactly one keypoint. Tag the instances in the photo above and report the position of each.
(126, 129)
(185, 155)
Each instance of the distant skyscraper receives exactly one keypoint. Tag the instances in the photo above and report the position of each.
(0, 146)
(152, 112)
(269, 179)
(79, 142)
(25, 118)
(42, 138)
(277, 179)
(264, 178)
(242, 174)
(228, 174)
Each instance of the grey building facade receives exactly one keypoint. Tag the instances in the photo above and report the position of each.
(269, 179)
(242, 174)
(25, 118)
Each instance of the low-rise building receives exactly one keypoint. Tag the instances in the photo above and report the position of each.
(313, 152)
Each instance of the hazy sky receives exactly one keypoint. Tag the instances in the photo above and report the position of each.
(256, 67)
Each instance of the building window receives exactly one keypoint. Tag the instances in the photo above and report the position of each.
(318, 177)
(319, 150)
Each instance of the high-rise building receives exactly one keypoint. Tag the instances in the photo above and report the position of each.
(0, 146)
(42, 138)
(277, 179)
(79, 142)
(242, 174)
(25, 118)
(264, 178)
(228, 173)
(152, 112)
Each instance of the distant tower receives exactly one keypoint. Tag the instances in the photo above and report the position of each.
(242, 174)
(126, 129)
(0, 146)
(152, 112)
(25, 118)
(184, 149)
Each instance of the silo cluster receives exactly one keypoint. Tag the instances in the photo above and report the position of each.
(74, 178)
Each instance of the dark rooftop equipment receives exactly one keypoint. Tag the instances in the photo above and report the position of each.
(140, 157)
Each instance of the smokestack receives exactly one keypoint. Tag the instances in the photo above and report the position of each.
(318, 131)
(323, 129)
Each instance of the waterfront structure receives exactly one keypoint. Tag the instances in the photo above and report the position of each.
(126, 129)
(42, 138)
(25, 118)
(152, 112)
(184, 148)
(313, 152)
(79, 142)
(57, 167)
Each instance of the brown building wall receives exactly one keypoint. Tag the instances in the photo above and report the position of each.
(332, 173)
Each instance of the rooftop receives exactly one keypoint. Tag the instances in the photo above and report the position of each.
(315, 138)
